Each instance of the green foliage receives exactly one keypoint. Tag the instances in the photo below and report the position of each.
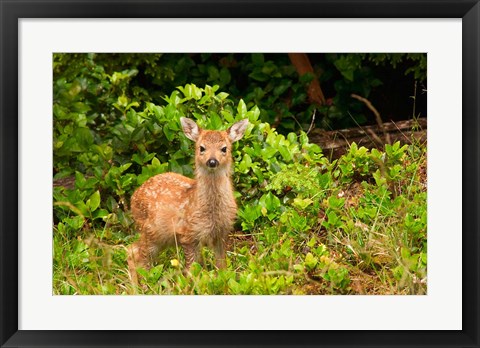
(298, 232)
(103, 85)
(417, 62)
(358, 74)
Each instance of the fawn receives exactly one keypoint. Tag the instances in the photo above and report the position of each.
(171, 210)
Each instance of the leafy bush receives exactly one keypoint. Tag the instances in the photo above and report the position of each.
(269, 81)
(305, 226)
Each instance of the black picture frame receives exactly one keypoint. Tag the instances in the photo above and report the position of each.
(12, 11)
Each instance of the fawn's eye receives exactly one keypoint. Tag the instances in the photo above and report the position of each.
(224, 149)
(202, 149)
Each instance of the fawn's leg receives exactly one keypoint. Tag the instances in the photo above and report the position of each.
(192, 253)
(140, 254)
(219, 248)
(134, 260)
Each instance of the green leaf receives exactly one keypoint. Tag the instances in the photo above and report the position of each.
(80, 180)
(311, 243)
(191, 91)
(302, 203)
(94, 201)
(215, 121)
(213, 73)
(169, 134)
(225, 76)
(307, 78)
(84, 137)
(258, 59)
(348, 74)
(310, 261)
(122, 101)
(253, 114)
(100, 214)
(258, 76)
(241, 109)
(124, 167)
(227, 116)
(81, 108)
(75, 222)
(285, 152)
(155, 162)
(222, 96)
(336, 203)
(270, 201)
(60, 112)
(234, 286)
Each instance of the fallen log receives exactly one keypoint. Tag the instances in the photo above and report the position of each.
(336, 143)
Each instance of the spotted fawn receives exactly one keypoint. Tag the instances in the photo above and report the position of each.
(172, 210)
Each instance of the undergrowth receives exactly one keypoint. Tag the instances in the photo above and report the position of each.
(306, 225)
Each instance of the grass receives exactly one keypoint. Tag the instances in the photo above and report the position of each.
(352, 226)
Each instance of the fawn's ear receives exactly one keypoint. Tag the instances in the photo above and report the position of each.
(236, 131)
(190, 128)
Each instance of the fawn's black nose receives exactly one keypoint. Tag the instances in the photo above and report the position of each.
(212, 163)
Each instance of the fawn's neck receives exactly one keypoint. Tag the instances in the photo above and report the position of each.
(214, 190)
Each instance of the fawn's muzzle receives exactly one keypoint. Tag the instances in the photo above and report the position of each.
(212, 163)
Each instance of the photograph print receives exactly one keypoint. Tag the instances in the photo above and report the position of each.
(239, 173)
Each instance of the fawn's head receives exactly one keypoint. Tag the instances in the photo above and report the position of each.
(213, 148)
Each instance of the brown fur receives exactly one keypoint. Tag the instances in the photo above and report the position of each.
(173, 210)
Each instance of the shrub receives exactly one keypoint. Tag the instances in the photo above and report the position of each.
(297, 232)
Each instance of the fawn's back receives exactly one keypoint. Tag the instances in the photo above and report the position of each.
(171, 209)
